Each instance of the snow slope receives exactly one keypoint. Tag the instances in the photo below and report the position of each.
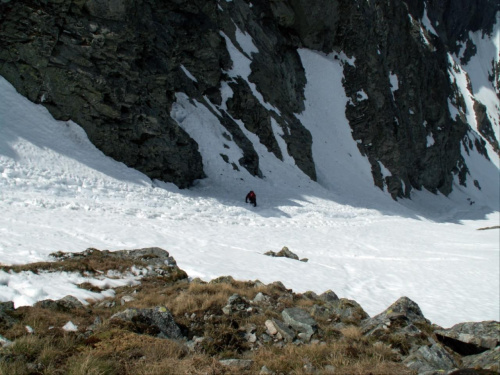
(58, 192)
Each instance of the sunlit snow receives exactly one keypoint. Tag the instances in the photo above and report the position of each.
(58, 192)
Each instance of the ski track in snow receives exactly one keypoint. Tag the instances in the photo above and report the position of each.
(58, 192)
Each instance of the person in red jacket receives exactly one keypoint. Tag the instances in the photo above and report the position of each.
(252, 198)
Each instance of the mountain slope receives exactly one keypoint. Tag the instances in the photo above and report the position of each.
(58, 192)
(125, 70)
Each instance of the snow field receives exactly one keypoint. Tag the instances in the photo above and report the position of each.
(58, 192)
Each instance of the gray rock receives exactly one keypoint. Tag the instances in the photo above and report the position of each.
(240, 364)
(310, 295)
(4, 341)
(261, 298)
(399, 325)
(97, 322)
(489, 360)
(235, 304)
(329, 296)
(347, 310)
(470, 338)
(70, 303)
(404, 311)
(266, 338)
(286, 333)
(300, 320)
(157, 322)
(107, 304)
(126, 299)
(430, 358)
(67, 303)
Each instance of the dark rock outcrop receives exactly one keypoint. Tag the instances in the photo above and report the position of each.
(156, 322)
(471, 338)
(67, 303)
(112, 68)
(116, 67)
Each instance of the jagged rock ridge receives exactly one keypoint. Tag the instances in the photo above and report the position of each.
(115, 69)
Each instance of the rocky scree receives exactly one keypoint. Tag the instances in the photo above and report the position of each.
(243, 320)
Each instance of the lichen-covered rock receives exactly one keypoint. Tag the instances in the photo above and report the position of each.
(347, 310)
(430, 358)
(329, 296)
(404, 309)
(401, 325)
(301, 321)
(471, 337)
(261, 298)
(67, 303)
(283, 330)
(489, 360)
(235, 304)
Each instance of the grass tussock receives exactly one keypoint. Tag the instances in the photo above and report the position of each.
(336, 357)
(45, 321)
(352, 333)
(96, 262)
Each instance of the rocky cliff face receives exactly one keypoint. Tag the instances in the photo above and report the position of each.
(115, 67)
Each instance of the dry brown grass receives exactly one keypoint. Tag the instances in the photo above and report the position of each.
(46, 321)
(344, 357)
(47, 352)
(114, 350)
(208, 297)
(92, 264)
(352, 333)
(146, 355)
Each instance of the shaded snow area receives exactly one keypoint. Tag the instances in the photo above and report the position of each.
(58, 192)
